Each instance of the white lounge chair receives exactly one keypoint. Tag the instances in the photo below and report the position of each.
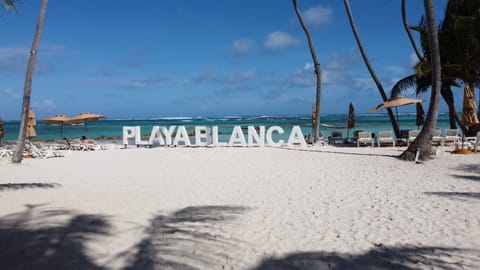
(335, 136)
(43, 152)
(385, 137)
(5, 152)
(437, 138)
(412, 135)
(365, 137)
(476, 143)
(451, 136)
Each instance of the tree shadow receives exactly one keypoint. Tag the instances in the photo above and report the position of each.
(190, 238)
(323, 150)
(474, 169)
(456, 195)
(48, 239)
(16, 186)
(378, 258)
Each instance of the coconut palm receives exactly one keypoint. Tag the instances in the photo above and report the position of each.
(8, 5)
(460, 49)
(18, 155)
(421, 147)
(369, 67)
(318, 75)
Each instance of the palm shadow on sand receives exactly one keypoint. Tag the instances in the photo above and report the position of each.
(17, 186)
(378, 258)
(36, 239)
(472, 169)
(190, 238)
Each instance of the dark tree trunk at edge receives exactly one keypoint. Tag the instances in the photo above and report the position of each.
(318, 75)
(423, 143)
(370, 69)
(18, 155)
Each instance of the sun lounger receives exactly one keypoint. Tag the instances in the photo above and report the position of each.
(476, 142)
(44, 151)
(385, 137)
(6, 152)
(365, 137)
(437, 138)
(412, 135)
(334, 137)
(451, 136)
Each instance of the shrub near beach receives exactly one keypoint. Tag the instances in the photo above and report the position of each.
(256, 136)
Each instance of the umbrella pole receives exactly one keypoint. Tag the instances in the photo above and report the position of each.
(398, 120)
(86, 129)
(61, 130)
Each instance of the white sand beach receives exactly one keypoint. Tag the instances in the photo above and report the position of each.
(240, 208)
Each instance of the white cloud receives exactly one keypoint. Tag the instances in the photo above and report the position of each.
(346, 61)
(44, 105)
(12, 93)
(396, 70)
(412, 60)
(241, 47)
(318, 15)
(277, 41)
(308, 66)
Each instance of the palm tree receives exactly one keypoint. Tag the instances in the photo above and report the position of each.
(318, 75)
(370, 69)
(421, 147)
(421, 78)
(460, 49)
(461, 39)
(18, 155)
(409, 33)
(10, 4)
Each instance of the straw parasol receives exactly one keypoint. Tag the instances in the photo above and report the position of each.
(31, 125)
(351, 118)
(1, 131)
(314, 110)
(59, 119)
(469, 115)
(85, 117)
(420, 121)
(397, 101)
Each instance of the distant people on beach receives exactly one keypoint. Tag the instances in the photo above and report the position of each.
(308, 139)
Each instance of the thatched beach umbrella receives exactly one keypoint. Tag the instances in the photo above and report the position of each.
(1, 131)
(420, 120)
(31, 125)
(85, 117)
(59, 119)
(397, 101)
(351, 118)
(469, 115)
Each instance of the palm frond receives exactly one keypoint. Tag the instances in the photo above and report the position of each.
(403, 85)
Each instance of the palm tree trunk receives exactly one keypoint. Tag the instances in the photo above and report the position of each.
(318, 74)
(423, 143)
(18, 155)
(454, 118)
(409, 33)
(370, 69)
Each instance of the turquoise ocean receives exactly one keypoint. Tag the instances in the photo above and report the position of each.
(111, 129)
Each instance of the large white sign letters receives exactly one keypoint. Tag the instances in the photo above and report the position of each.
(208, 136)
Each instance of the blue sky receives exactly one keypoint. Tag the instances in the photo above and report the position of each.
(170, 58)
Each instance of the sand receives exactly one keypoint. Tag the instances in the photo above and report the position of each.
(241, 208)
